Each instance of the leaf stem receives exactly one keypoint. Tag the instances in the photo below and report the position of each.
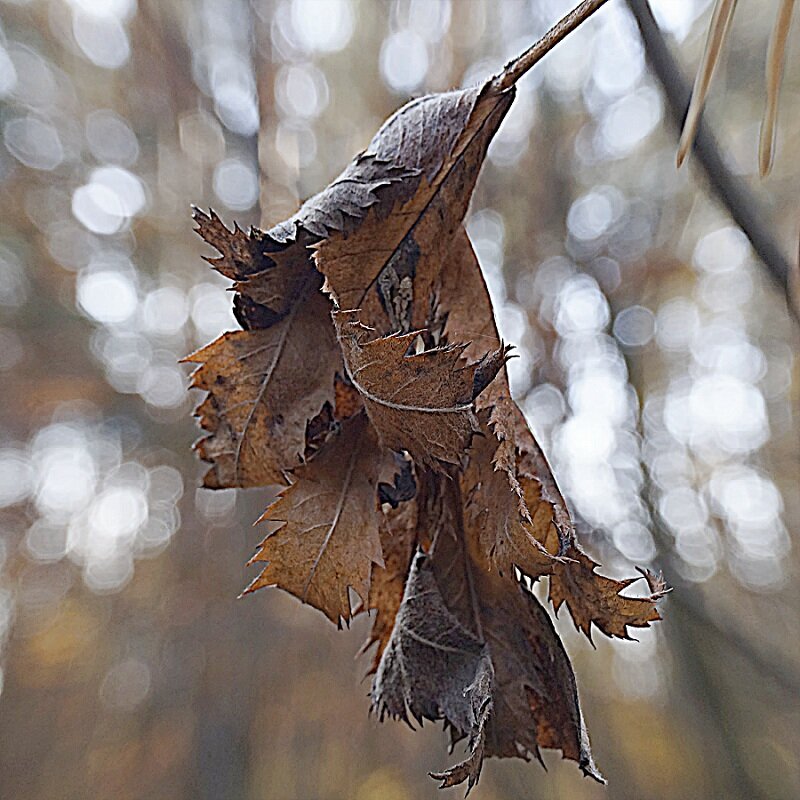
(515, 69)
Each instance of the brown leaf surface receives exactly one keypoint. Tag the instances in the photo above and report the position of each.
(414, 480)
(388, 265)
(510, 523)
(422, 402)
(342, 205)
(590, 597)
(398, 541)
(463, 299)
(593, 598)
(271, 283)
(330, 536)
(491, 665)
(263, 388)
(240, 254)
(512, 498)
(532, 462)
(442, 653)
(270, 267)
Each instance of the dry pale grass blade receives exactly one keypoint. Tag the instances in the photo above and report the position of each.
(717, 35)
(774, 74)
(793, 287)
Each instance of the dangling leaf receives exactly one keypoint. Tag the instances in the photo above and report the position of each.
(264, 386)
(330, 533)
(381, 397)
(593, 598)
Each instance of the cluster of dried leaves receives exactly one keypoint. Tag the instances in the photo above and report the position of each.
(369, 380)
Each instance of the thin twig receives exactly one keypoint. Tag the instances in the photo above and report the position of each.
(516, 68)
(731, 191)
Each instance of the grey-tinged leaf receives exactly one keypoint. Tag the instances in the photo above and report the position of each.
(398, 542)
(431, 646)
(500, 677)
(415, 241)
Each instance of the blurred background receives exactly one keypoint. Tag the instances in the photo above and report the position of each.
(657, 367)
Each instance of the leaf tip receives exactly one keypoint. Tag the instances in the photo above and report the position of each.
(589, 770)
(656, 582)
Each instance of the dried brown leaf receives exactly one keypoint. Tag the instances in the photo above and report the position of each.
(532, 463)
(462, 299)
(263, 388)
(373, 419)
(388, 265)
(398, 541)
(421, 402)
(493, 668)
(330, 536)
(240, 254)
(342, 205)
(270, 267)
(509, 522)
(593, 598)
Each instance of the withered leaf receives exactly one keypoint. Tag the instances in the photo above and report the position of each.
(403, 486)
(533, 675)
(339, 207)
(462, 299)
(479, 693)
(240, 254)
(535, 695)
(500, 678)
(330, 536)
(509, 523)
(398, 541)
(414, 480)
(270, 267)
(589, 596)
(443, 653)
(593, 598)
(442, 139)
(421, 402)
(274, 280)
(263, 388)
(532, 462)
(342, 204)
